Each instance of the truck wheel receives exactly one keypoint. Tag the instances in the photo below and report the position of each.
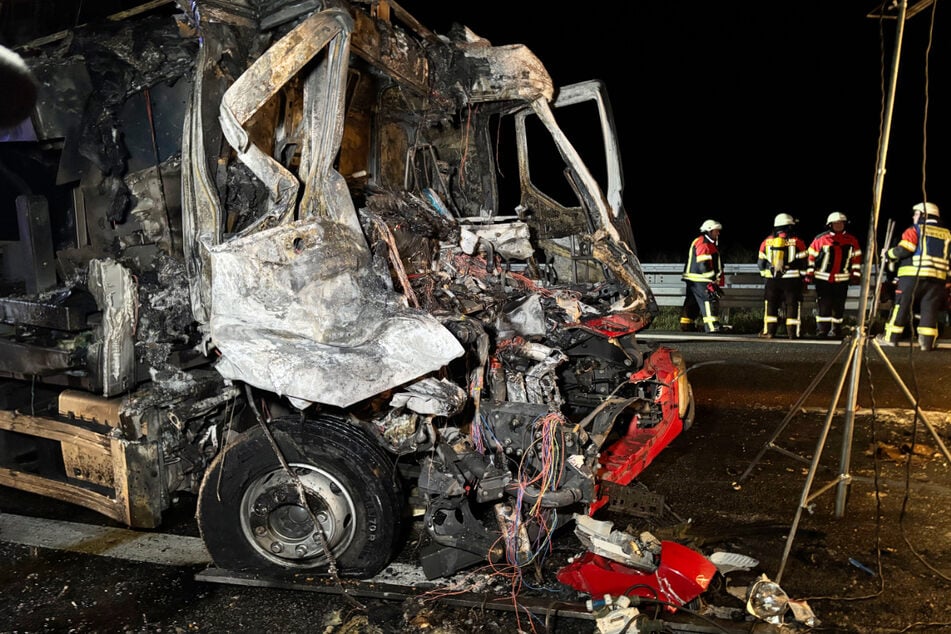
(250, 513)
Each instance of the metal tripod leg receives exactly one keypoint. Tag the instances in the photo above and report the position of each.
(911, 399)
(814, 465)
(769, 444)
(844, 476)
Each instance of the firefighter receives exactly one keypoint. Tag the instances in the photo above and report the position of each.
(834, 261)
(782, 261)
(703, 274)
(921, 261)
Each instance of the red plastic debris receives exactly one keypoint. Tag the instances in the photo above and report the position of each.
(682, 575)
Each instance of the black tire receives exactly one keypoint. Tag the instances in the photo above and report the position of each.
(249, 510)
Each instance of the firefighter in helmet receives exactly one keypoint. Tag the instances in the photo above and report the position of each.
(921, 260)
(782, 261)
(703, 275)
(834, 261)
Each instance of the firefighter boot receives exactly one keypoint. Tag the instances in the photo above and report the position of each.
(792, 330)
(926, 342)
(770, 324)
(889, 341)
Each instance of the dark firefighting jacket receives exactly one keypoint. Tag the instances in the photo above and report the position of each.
(703, 262)
(834, 257)
(782, 255)
(923, 250)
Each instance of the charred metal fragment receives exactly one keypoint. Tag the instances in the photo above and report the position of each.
(65, 309)
(277, 296)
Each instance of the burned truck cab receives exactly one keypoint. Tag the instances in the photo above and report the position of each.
(325, 270)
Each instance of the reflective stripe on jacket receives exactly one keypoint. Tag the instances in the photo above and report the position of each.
(703, 262)
(926, 257)
(835, 257)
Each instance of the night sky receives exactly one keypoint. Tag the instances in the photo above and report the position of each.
(742, 110)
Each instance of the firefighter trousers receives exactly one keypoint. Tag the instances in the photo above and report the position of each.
(830, 302)
(782, 294)
(699, 302)
(928, 295)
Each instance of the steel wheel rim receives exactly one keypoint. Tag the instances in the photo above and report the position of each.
(280, 528)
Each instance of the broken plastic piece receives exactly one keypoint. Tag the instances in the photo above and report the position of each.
(802, 613)
(613, 617)
(858, 564)
(598, 537)
(728, 562)
(682, 575)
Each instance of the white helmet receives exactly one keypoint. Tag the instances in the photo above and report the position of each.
(836, 216)
(929, 209)
(710, 225)
(782, 220)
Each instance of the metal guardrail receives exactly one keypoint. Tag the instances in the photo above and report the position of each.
(743, 289)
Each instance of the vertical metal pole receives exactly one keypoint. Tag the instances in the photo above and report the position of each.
(870, 250)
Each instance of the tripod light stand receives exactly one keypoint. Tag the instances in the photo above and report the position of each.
(855, 345)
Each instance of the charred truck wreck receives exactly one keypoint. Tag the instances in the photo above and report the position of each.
(323, 268)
